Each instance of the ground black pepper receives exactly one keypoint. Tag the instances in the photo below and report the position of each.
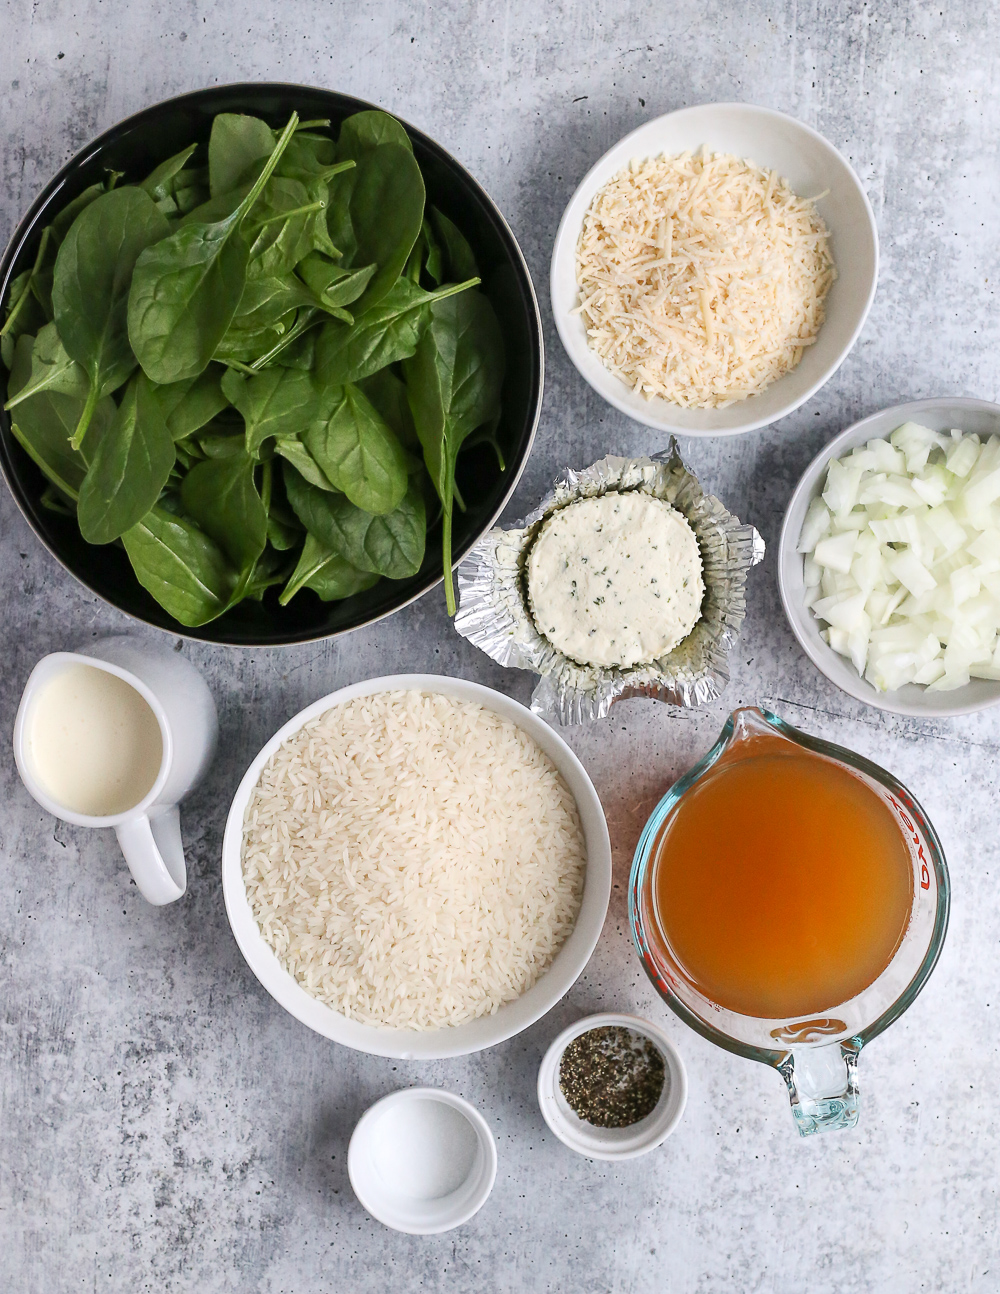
(612, 1077)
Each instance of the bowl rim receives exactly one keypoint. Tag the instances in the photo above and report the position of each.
(565, 244)
(798, 617)
(26, 225)
(597, 1143)
(485, 1031)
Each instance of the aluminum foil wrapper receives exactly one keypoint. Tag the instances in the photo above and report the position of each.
(494, 614)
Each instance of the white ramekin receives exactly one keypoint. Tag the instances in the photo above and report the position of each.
(613, 1143)
(388, 1200)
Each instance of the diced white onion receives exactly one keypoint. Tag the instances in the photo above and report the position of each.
(815, 526)
(901, 558)
(837, 552)
(842, 482)
(962, 455)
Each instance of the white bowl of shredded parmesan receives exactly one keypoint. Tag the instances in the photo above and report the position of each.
(714, 268)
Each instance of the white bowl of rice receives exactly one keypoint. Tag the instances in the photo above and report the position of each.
(417, 867)
(714, 268)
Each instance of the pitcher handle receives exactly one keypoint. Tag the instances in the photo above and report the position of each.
(155, 855)
(822, 1086)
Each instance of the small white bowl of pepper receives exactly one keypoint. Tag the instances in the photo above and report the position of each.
(612, 1086)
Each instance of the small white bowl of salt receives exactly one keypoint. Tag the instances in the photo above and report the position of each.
(422, 1160)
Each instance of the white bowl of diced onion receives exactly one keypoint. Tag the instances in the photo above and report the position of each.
(889, 565)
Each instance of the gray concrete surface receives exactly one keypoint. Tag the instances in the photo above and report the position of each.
(163, 1124)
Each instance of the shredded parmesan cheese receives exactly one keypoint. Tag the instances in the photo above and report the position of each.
(702, 277)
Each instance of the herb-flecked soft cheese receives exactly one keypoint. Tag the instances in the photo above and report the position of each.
(616, 579)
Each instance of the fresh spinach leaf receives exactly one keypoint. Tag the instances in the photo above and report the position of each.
(326, 573)
(64, 218)
(52, 237)
(215, 209)
(90, 288)
(271, 569)
(8, 344)
(391, 545)
(388, 394)
(414, 266)
(366, 131)
(308, 155)
(284, 225)
(434, 264)
(189, 452)
(44, 424)
(294, 451)
(190, 192)
(42, 429)
(242, 348)
(184, 570)
(20, 290)
(268, 299)
(189, 405)
(162, 181)
(220, 441)
(51, 369)
(284, 530)
(333, 284)
(304, 320)
(20, 366)
(319, 192)
(453, 382)
(129, 466)
(67, 476)
(387, 209)
(339, 228)
(381, 335)
(237, 141)
(459, 257)
(277, 402)
(358, 453)
(24, 312)
(221, 497)
(283, 534)
(41, 289)
(300, 351)
(187, 288)
(425, 258)
(25, 318)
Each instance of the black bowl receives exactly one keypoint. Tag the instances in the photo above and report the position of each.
(134, 147)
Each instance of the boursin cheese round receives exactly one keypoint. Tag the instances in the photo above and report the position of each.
(615, 580)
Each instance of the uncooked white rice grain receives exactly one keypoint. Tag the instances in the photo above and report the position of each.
(413, 860)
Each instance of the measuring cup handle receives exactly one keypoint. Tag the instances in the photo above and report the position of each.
(155, 855)
(822, 1086)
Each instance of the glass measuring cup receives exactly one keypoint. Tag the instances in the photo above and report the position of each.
(818, 1056)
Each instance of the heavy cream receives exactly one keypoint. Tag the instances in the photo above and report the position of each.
(93, 742)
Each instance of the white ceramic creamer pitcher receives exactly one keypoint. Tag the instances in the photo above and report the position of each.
(149, 831)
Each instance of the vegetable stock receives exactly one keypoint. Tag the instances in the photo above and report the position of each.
(782, 885)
